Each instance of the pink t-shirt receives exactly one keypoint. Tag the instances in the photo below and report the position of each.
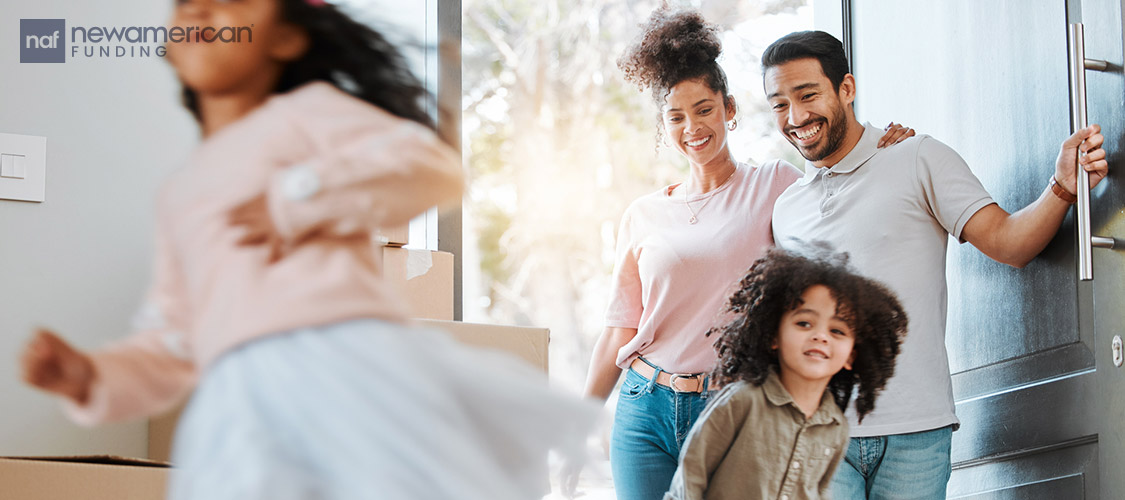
(672, 278)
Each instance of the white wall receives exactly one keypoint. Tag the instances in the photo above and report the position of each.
(79, 262)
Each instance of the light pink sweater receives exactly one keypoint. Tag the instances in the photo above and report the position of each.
(210, 295)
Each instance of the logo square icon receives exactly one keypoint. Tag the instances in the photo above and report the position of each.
(42, 40)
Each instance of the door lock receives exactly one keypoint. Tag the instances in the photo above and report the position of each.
(1117, 354)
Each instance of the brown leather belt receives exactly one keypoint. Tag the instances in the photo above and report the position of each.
(678, 382)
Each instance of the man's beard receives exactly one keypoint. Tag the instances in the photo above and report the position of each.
(837, 130)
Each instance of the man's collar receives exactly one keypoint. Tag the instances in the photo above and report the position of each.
(867, 146)
(811, 171)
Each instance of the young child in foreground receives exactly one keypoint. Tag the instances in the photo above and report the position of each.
(268, 296)
(805, 332)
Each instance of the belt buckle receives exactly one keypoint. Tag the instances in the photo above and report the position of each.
(676, 376)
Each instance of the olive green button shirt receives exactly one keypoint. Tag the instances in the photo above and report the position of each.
(755, 443)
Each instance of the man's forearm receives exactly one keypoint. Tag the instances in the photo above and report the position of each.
(1017, 238)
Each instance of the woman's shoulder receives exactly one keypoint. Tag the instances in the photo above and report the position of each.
(776, 169)
(648, 202)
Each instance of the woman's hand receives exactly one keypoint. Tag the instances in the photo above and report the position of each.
(895, 134)
(254, 217)
(50, 364)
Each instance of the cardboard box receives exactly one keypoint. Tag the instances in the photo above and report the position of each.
(527, 343)
(161, 432)
(424, 277)
(82, 478)
(393, 236)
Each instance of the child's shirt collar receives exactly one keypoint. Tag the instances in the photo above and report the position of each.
(777, 395)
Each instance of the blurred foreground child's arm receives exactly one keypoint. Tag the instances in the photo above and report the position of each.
(371, 169)
(140, 376)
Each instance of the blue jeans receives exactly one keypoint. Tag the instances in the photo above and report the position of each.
(649, 428)
(902, 467)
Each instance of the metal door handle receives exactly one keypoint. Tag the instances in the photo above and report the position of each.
(1078, 66)
(1094, 64)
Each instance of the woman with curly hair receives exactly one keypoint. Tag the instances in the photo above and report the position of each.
(678, 251)
(805, 333)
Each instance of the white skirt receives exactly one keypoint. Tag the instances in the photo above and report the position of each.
(370, 409)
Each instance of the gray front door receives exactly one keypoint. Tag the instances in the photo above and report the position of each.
(1041, 403)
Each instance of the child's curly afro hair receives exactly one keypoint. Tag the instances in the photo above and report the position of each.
(774, 286)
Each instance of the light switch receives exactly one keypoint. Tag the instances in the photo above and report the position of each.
(23, 167)
(7, 165)
(13, 166)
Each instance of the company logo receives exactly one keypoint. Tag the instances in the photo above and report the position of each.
(45, 40)
(42, 40)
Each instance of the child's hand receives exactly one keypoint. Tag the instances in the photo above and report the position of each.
(52, 365)
(568, 478)
(254, 217)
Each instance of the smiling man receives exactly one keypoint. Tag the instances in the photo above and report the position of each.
(893, 210)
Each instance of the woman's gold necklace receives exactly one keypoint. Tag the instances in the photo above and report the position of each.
(694, 218)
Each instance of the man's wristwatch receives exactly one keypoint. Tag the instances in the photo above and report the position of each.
(1061, 192)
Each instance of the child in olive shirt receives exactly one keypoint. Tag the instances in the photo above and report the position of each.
(804, 332)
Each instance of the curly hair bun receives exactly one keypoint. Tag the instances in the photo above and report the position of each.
(675, 46)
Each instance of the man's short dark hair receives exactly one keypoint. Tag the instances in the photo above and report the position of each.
(810, 44)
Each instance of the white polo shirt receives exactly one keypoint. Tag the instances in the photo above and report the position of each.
(893, 210)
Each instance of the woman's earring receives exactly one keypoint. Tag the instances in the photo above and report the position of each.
(732, 124)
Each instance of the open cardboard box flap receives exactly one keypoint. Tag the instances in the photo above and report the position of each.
(527, 343)
(96, 477)
(97, 459)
